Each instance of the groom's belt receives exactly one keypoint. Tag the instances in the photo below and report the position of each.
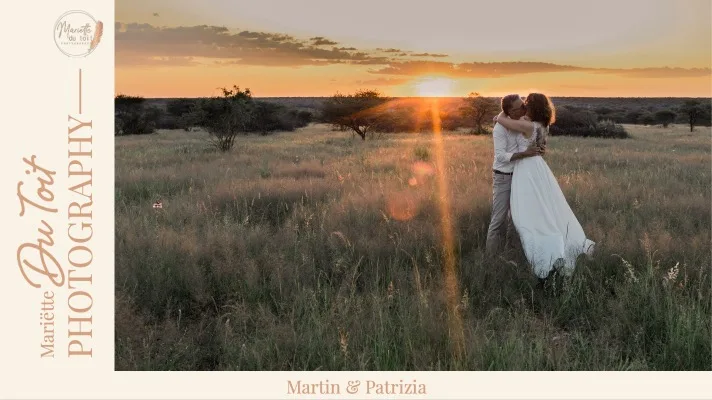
(501, 173)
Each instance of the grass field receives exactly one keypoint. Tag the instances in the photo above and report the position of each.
(313, 250)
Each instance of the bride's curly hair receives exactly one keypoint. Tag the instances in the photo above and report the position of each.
(540, 109)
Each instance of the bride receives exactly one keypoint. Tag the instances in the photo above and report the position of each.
(552, 237)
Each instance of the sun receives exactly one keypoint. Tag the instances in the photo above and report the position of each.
(434, 87)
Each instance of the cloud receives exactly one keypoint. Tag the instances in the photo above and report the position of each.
(383, 81)
(504, 69)
(428, 55)
(322, 41)
(159, 61)
(499, 69)
(664, 72)
(374, 61)
(142, 44)
(471, 70)
(150, 45)
(264, 38)
(391, 50)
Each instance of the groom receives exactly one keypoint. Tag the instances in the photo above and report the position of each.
(505, 153)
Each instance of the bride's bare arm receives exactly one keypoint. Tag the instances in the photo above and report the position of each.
(521, 125)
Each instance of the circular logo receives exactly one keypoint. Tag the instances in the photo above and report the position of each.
(77, 33)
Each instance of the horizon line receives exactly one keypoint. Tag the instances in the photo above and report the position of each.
(436, 97)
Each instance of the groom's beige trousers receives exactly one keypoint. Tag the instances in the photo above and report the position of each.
(501, 225)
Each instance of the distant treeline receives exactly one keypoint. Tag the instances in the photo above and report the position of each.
(137, 115)
(368, 112)
(621, 110)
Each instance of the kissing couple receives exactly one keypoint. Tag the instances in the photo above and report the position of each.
(526, 197)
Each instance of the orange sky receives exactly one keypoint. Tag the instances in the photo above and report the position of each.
(184, 48)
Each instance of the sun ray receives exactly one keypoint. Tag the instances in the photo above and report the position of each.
(448, 244)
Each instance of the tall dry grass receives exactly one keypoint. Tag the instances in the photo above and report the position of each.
(312, 250)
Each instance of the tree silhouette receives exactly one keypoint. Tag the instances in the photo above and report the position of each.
(665, 117)
(693, 109)
(226, 116)
(359, 112)
(479, 110)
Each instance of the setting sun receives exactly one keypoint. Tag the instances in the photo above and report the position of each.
(434, 87)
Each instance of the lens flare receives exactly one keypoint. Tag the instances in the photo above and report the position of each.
(422, 169)
(451, 285)
(401, 206)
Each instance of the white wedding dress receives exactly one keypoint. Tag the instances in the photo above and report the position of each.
(551, 235)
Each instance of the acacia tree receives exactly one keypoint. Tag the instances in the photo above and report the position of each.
(181, 110)
(665, 117)
(479, 110)
(265, 117)
(226, 116)
(693, 110)
(359, 112)
(645, 119)
(132, 117)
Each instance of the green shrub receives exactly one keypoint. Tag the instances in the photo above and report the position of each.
(226, 116)
(422, 153)
(665, 117)
(131, 117)
(585, 123)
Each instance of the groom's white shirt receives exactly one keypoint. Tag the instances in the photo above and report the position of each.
(505, 145)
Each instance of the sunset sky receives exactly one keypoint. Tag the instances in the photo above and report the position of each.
(184, 48)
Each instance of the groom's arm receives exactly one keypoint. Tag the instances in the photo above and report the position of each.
(532, 151)
(499, 135)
